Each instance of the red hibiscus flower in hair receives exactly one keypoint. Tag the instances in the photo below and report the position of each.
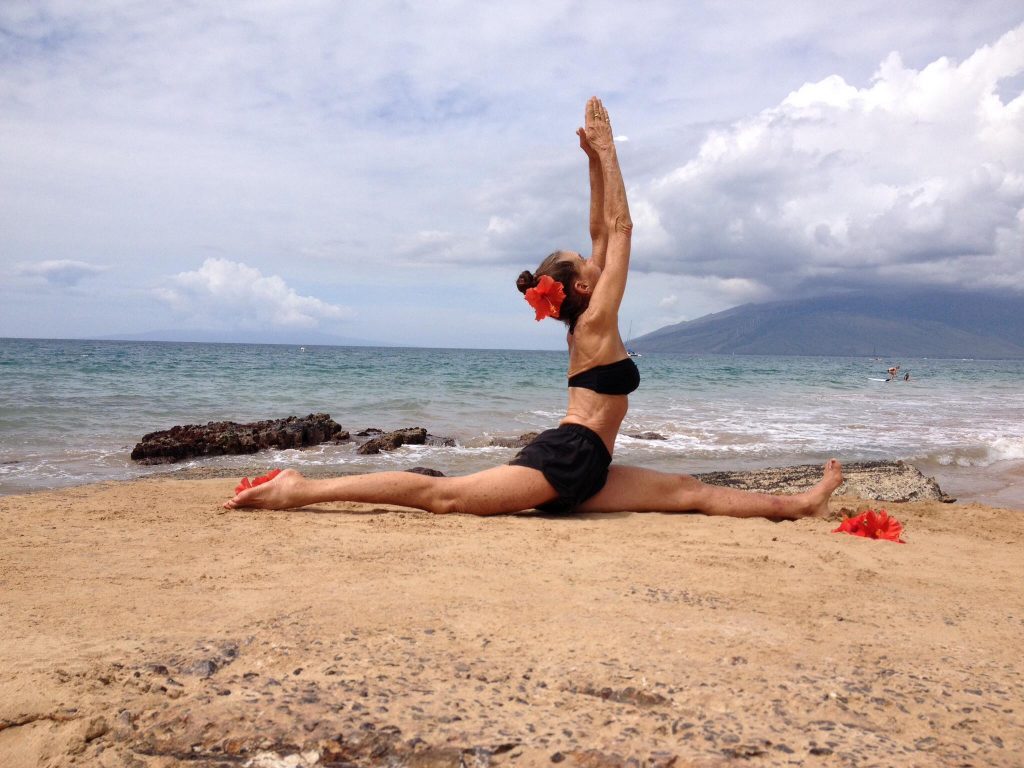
(873, 525)
(546, 297)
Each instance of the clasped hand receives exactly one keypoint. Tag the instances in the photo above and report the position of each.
(596, 137)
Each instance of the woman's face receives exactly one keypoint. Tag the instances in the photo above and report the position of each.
(587, 272)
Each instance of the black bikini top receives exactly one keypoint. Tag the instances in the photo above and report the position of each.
(618, 378)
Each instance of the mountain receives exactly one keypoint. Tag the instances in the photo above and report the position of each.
(920, 324)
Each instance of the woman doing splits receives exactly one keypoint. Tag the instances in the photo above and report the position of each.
(567, 469)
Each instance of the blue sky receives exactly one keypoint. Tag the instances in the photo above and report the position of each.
(383, 171)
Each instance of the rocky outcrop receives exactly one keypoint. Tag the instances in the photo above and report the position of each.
(428, 471)
(389, 441)
(218, 438)
(646, 435)
(514, 442)
(894, 481)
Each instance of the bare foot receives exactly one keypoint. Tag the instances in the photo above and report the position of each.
(282, 492)
(819, 495)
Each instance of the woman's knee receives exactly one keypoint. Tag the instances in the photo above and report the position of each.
(445, 498)
(687, 491)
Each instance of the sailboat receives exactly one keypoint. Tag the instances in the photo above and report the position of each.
(631, 352)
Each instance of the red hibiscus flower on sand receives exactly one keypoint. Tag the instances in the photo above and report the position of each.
(873, 525)
(256, 481)
(546, 297)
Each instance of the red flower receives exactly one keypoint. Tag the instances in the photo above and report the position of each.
(873, 525)
(546, 297)
(852, 525)
(256, 481)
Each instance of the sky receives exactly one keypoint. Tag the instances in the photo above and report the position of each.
(382, 171)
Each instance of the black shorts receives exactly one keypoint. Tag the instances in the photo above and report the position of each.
(573, 459)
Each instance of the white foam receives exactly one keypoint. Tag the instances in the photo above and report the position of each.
(983, 453)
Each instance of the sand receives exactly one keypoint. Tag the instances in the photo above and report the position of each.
(143, 625)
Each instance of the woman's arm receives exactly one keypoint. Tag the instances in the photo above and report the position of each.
(598, 226)
(618, 224)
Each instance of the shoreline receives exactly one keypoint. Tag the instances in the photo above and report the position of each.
(149, 627)
(1003, 487)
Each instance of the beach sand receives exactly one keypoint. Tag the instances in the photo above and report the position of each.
(143, 625)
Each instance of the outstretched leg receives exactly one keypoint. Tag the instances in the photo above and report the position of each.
(645, 490)
(493, 491)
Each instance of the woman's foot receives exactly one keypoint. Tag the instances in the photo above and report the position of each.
(278, 492)
(818, 496)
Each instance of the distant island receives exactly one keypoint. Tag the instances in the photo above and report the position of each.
(920, 324)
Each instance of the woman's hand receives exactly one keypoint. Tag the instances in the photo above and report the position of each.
(585, 145)
(598, 132)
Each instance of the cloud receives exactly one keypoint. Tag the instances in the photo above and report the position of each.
(918, 177)
(241, 296)
(350, 142)
(61, 272)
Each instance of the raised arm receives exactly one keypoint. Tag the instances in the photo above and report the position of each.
(617, 222)
(598, 226)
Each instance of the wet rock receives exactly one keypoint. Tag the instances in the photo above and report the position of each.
(440, 442)
(646, 435)
(514, 442)
(426, 471)
(894, 481)
(389, 441)
(219, 438)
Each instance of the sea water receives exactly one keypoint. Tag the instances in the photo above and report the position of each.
(71, 411)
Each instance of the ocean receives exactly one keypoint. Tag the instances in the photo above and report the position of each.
(71, 411)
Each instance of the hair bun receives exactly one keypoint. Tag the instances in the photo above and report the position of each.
(525, 281)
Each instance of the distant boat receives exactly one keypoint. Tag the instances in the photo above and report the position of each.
(631, 352)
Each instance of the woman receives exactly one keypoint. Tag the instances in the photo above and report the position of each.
(566, 469)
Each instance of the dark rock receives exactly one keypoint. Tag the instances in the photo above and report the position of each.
(379, 440)
(426, 471)
(218, 438)
(440, 442)
(514, 442)
(646, 435)
(894, 481)
(389, 441)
